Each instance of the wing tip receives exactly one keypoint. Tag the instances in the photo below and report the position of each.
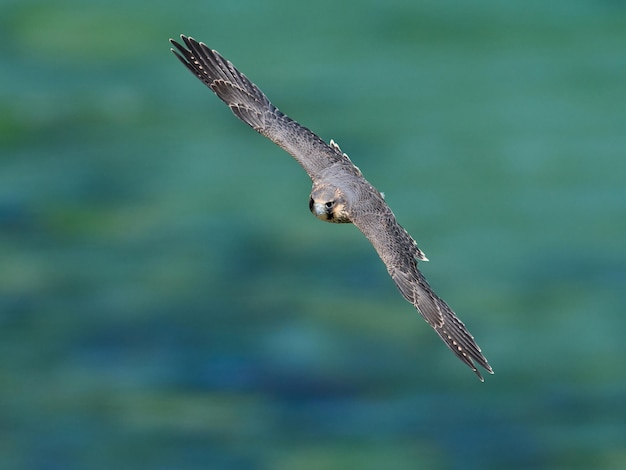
(487, 367)
(183, 38)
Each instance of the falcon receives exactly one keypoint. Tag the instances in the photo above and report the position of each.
(340, 193)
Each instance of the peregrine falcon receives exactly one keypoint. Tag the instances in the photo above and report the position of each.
(340, 193)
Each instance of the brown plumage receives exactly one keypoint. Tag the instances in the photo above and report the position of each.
(340, 193)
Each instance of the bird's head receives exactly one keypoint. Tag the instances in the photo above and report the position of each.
(329, 204)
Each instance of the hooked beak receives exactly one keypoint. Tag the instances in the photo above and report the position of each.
(319, 210)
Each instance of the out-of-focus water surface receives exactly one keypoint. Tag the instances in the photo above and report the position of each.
(167, 301)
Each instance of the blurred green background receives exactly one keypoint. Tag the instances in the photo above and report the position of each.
(167, 301)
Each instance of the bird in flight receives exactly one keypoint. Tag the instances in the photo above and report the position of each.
(340, 193)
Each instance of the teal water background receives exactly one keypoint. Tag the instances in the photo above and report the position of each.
(167, 301)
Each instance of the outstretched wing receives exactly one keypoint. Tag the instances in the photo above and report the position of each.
(399, 252)
(250, 105)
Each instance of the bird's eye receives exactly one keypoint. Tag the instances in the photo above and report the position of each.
(329, 204)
